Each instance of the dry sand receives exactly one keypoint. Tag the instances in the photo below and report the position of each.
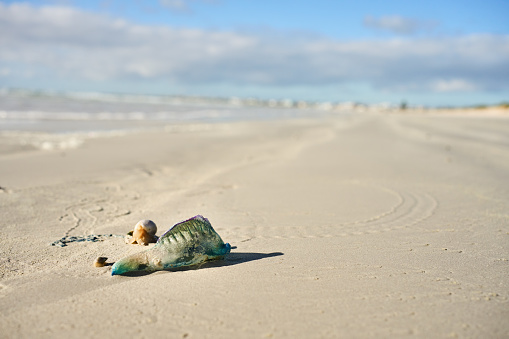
(368, 226)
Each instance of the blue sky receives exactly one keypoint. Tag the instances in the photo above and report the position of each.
(424, 52)
(335, 19)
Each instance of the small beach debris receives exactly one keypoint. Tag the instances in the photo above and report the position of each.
(144, 233)
(187, 243)
(100, 261)
(62, 242)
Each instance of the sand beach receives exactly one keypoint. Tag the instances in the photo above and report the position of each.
(371, 225)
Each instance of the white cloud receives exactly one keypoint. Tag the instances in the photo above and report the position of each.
(181, 5)
(398, 24)
(453, 85)
(60, 42)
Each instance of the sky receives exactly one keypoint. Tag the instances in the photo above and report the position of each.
(431, 53)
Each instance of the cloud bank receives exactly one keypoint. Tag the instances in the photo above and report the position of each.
(398, 24)
(62, 42)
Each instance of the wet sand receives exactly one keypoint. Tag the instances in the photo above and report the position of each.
(363, 226)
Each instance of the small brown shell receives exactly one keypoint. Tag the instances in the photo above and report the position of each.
(100, 261)
(144, 233)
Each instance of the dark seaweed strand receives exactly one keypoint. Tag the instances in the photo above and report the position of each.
(62, 242)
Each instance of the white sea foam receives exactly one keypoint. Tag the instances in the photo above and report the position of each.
(53, 141)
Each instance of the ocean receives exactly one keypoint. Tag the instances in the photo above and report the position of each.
(50, 120)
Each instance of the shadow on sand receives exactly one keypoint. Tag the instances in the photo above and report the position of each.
(231, 259)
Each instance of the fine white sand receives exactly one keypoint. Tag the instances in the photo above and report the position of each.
(364, 226)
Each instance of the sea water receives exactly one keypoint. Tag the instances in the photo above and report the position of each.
(48, 121)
